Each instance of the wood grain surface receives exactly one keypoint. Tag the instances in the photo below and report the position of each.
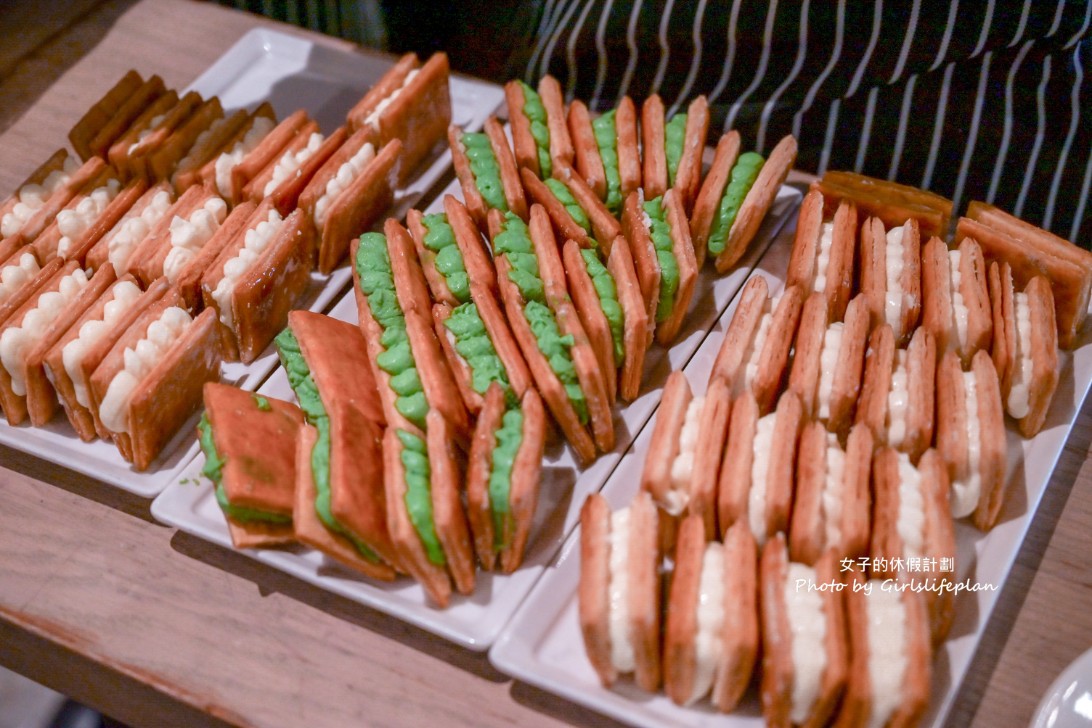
(157, 628)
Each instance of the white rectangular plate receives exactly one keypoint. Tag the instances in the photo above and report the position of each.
(290, 73)
(475, 621)
(542, 644)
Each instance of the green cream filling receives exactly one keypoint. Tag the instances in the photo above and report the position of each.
(440, 239)
(373, 267)
(214, 469)
(660, 232)
(299, 376)
(565, 197)
(473, 344)
(419, 494)
(509, 436)
(674, 135)
(744, 174)
(515, 242)
(606, 138)
(608, 300)
(540, 129)
(486, 171)
(262, 403)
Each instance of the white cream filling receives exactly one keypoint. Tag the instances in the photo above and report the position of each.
(228, 160)
(822, 256)
(138, 362)
(373, 118)
(708, 639)
(966, 490)
(75, 221)
(828, 365)
(760, 468)
(255, 241)
(290, 162)
(123, 294)
(14, 275)
(808, 625)
(189, 235)
(898, 400)
(33, 196)
(142, 137)
(894, 297)
(1017, 402)
(833, 491)
(910, 521)
(682, 467)
(959, 307)
(16, 341)
(135, 229)
(346, 173)
(753, 353)
(886, 651)
(621, 642)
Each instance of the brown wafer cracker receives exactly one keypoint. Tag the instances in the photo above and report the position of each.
(119, 152)
(588, 307)
(586, 158)
(100, 113)
(119, 118)
(446, 481)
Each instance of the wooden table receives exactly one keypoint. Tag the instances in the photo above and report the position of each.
(157, 628)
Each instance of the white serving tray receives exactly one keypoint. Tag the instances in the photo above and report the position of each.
(290, 73)
(475, 621)
(542, 644)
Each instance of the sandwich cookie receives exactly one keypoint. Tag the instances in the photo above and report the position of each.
(828, 359)
(889, 656)
(804, 655)
(25, 318)
(822, 253)
(39, 197)
(898, 391)
(349, 193)
(132, 154)
(1025, 347)
(671, 149)
(452, 253)
(605, 151)
(1031, 251)
(659, 238)
(177, 239)
(487, 171)
(832, 504)
(956, 309)
(412, 103)
(225, 174)
(72, 360)
(117, 244)
(303, 149)
(249, 443)
(340, 501)
(608, 299)
(711, 635)
(893, 203)
(547, 327)
(131, 91)
(247, 176)
(756, 476)
(168, 145)
(540, 135)
(150, 382)
(86, 218)
(208, 145)
(619, 593)
(913, 521)
(684, 457)
(261, 273)
(735, 197)
(23, 348)
(891, 275)
(574, 209)
(503, 474)
(755, 350)
(396, 320)
(971, 437)
(424, 509)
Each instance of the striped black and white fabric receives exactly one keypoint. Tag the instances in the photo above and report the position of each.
(988, 100)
